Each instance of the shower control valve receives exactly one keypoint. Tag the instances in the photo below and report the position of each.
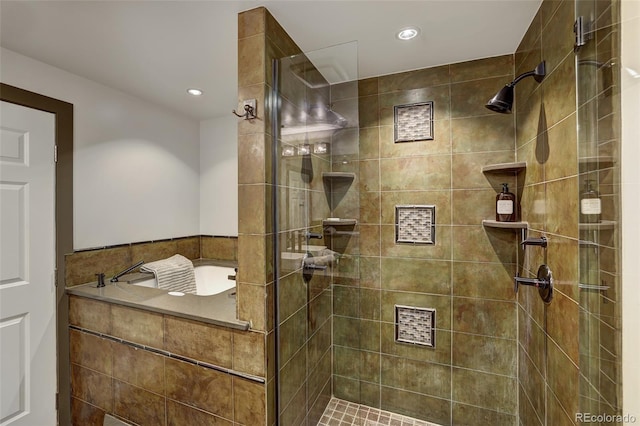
(543, 281)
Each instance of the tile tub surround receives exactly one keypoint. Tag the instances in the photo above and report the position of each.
(82, 266)
(218, 309)
(148, 368)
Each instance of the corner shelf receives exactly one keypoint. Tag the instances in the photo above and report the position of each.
(338, 176)
(523, 227)
(339, 222)
(603, 225)
(505, 225)
(505, 167)
(597, 163)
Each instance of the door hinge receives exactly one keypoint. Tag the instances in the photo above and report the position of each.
(55, 153)
(57, 401)
(582, 28)
(55, 277)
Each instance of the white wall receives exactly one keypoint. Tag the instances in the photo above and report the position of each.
(136, 165)
(219, 176)
(630, 10)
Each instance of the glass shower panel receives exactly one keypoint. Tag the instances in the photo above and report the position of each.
(316, 219)
(597, 74)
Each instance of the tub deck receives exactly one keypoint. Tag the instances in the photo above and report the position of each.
(218, 309)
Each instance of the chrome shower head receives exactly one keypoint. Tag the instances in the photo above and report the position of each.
(502, 102)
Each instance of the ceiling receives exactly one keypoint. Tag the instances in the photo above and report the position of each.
(155, 50)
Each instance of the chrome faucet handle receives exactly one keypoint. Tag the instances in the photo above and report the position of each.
(543, 281)
(542, 242)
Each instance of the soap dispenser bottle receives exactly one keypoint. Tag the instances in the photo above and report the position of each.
(590, 204)
(505, 205)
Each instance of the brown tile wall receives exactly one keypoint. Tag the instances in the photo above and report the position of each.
(260, 40)
(146, 387)
(82, 266)
(561, 354)
(470, 377)
(547, 141)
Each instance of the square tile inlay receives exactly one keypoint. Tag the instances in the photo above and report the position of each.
(416, 325)
(416, 224)
(413, 122)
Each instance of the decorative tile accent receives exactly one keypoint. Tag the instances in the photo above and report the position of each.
(416, 224)
(344, 413)
(416, 325)
(413, 122)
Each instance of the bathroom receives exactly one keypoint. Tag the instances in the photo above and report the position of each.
(498, 358)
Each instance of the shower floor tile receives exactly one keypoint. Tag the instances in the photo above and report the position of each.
(344, 413)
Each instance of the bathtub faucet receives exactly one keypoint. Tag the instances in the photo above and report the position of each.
(129, 269)
(233, 277)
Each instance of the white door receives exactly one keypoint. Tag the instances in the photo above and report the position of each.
(27, 266)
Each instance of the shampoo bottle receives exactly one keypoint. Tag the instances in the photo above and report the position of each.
(505, 205)
(590, 205)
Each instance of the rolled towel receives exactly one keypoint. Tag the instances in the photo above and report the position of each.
(327, 257)
(175, 273)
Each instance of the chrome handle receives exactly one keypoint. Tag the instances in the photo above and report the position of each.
(315, 267)
(530, 281)
(542, 242)
(543, 282)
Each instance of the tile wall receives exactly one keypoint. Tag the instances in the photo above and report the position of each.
(82, 266)
(260, 40)
(470, 377)
(162, 371)
(548, 361)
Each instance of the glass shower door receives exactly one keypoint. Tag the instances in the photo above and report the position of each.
(598, 92)
(316, 212)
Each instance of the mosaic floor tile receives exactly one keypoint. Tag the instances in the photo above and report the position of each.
(344, 413)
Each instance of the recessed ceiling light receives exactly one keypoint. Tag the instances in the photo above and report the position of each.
(408, 33)
(194, 92)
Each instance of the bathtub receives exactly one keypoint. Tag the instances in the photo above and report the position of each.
(210, 280)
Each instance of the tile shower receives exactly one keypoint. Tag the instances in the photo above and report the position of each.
(498, 359)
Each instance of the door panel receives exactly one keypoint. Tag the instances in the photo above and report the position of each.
(27, 266)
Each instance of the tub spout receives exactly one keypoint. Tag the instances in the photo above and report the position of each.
(233, 277)
(129, 269)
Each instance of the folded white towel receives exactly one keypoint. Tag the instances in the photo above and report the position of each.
(174, 273)
(326, 257)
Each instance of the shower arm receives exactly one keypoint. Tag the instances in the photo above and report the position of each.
(520, 77)
(538, 74)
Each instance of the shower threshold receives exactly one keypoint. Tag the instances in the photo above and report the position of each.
(345, 413)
